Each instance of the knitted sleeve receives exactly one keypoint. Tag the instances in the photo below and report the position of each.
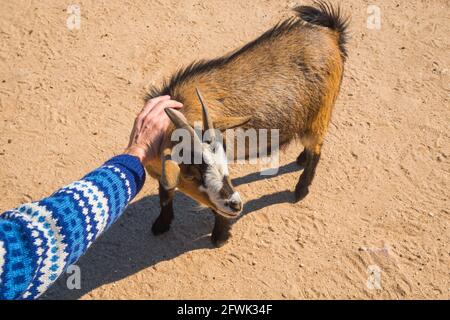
(40, 240)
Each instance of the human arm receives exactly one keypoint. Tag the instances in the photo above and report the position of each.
(40, 240)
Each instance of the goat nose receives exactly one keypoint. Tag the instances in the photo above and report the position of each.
(235, 205)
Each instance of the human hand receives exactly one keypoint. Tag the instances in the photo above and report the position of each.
(149, 127)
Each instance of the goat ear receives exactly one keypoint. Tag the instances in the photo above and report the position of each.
(230, 122)
(170, 174)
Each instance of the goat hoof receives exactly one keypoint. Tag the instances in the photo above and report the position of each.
(300, 193)
(302, 159)
(220, 240)
(160, 228)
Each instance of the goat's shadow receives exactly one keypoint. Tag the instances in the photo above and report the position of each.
(129, 246)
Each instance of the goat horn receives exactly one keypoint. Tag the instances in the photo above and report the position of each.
(207, 123)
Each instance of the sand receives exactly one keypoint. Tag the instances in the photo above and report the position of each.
(378, 208)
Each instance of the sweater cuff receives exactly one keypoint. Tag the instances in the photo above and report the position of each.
(133, 165)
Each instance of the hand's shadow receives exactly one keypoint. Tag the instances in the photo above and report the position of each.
(129, 246)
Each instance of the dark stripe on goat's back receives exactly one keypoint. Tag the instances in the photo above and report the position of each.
(204, 66)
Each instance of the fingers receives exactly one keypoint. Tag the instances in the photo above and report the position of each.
(150, 125)
(153, 102)
(149, 106)
(157, 117)
(146, 110)
(167, 104)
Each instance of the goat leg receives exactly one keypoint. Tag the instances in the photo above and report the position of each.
(302, 159)
(162, 223)
(221, 231)
(302, 187)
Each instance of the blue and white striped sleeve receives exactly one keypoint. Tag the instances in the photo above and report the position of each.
(40, 240)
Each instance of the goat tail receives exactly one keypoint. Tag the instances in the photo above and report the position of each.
(325, 15)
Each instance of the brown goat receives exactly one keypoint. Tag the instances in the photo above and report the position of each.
(287, 79)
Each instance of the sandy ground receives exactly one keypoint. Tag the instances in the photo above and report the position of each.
(380, 197)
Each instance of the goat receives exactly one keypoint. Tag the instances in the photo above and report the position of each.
(287, 79)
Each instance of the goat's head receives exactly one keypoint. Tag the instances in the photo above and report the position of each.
(198, 167)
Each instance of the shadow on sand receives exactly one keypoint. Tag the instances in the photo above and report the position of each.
(129, 246)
